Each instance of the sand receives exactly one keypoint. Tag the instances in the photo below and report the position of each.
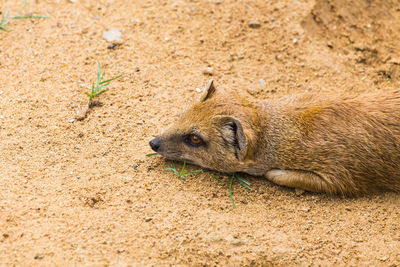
(84, 193)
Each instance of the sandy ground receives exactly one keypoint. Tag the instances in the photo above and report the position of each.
(84, 193)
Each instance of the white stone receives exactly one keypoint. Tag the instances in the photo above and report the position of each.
(113, 35)
(208, 71)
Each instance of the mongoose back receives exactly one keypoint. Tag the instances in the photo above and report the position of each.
(334, 144)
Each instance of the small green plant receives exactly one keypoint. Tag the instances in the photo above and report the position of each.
(234, 177)
(4, 21)
(151, 154)
(182, 172)
(237, 178)
(97, 88)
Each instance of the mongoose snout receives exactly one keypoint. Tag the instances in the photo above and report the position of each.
(336, 144)
(155, 143)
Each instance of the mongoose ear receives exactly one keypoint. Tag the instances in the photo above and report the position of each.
(232, 132)
(209, 91)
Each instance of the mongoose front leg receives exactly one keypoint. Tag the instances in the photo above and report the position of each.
(299, 179)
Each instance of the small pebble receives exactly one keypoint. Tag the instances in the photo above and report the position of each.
(208, 71)
(254, 24)
(383, 258)
(82, 112)
(252, 91)
(38, 257)
(71, 121)
(140, 122)
(198, 90)
(1, 117)
(72, 26)
(112, 36)
(262, 81)
(1, 92)
(295, 41)
(72, 1)
(111, 46)
(236, 241)
(147, 219)
(306, 209)
(299, 191)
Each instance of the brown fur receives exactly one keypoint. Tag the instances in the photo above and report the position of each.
(324, 143)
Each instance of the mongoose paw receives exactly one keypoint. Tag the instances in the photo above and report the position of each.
(298, 179)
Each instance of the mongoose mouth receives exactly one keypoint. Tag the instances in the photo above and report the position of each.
(174, 156)
(155, 144)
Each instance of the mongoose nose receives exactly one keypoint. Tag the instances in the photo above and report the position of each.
(155, 144)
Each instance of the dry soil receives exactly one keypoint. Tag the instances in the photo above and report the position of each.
(84, 193)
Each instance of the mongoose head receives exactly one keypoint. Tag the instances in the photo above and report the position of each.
(215, 133)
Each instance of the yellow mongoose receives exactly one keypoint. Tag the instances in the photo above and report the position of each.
(333, 144)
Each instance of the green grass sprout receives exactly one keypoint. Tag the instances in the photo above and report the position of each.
(237, 178)
(219, 180)
(230, 190)
(181, 173)
(97, 88)
(4, 21)
(243, 182)
(151, 154)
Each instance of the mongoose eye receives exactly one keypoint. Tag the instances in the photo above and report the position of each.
(193, 140)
